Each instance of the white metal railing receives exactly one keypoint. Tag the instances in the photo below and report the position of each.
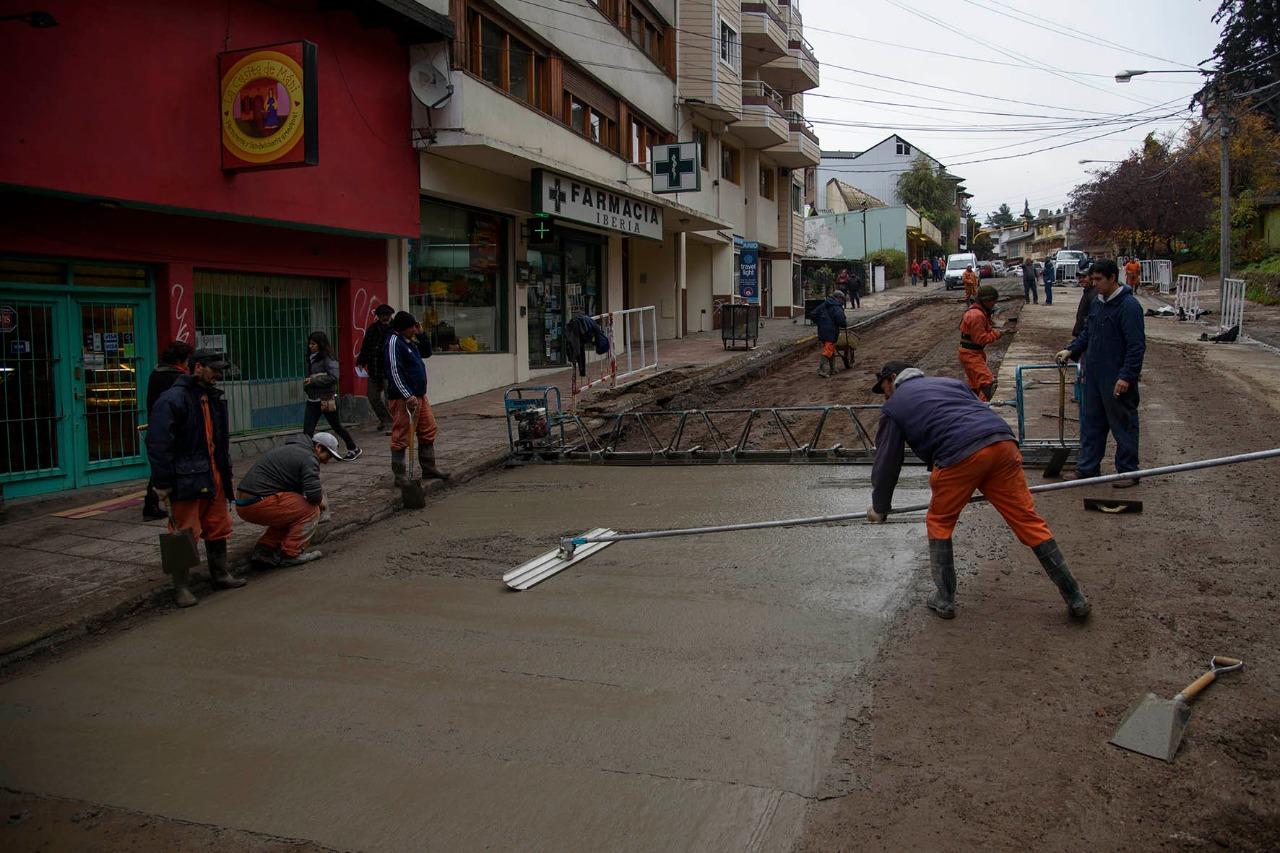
(1233, 304)
(763, 92)
(633, 348)
(1066, 271)
(1187, 298)
(1159, 273)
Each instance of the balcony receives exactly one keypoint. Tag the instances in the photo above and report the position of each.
(798, 70)
(764, 121)
(764, 33)
(801, 148)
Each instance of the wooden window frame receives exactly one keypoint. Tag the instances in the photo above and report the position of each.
(473, 62)
(768, 182)
(655, 39)
(735, 164)
(731, 46)
(703, 138)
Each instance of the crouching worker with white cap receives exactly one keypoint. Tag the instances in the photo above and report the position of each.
(282, 492)
(968, 448)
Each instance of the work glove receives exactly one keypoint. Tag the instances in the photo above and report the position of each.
(1063, 356)
(875, 517)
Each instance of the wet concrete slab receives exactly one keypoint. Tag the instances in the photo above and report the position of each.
(673, 694)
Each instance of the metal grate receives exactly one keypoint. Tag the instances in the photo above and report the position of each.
(110, 364)
(28, 390)
(262, 323)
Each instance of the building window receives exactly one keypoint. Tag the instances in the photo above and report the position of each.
(502, 60)
(643, 138)
(704, 142)
(728, 45)
(730, 163)
(795, 198)
(766, 182)
(457, 279)
(904, 148)
(578, 115)
(520, 75)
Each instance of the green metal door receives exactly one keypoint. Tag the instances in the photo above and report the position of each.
(35, 398)
(108, 386)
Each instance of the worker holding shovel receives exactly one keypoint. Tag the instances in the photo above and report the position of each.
(188, 446)
(407, 399)
(968, 448)
(976, 332)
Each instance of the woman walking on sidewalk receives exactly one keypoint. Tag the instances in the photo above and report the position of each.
(321, 388)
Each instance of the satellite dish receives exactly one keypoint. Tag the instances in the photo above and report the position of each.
(430, 85)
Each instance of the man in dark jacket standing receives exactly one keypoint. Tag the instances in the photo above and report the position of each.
(1086, 302)
(829, 318)
(1111, 348)
(173, 363)
(282, 492)
(372, 359)
(188, 446)
(407, 397)
(967, 447)
(1029, 290)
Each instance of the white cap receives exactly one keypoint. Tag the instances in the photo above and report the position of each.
(329, 443)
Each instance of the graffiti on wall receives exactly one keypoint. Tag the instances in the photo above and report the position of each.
(362, 304)
(179, 309)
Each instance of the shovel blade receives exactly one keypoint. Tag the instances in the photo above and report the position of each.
(413, 495)
(178, 551)
(1059, 458)
(1153, 726)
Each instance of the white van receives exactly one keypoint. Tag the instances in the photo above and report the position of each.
(953, 277)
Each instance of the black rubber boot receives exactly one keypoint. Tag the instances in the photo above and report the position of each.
(151, 509)
(182, 594)
(427, 459)
(219, 575)
(1055, 566)
(397, 466)
(942, 562)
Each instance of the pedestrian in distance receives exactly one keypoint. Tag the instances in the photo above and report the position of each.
(1111, 348)
(1049, 275)
(407, 399)
(969, 279)
(173, 363)
(321, 388)
(926, 272)
(968, 448)
(371, 360)
(939, 264)
(855, 289)
(842, 280)
(188, 445)
(282, 492)
(915, 272)
(1029, 289)
(976, 333)
(1133, 273)
(829, 317)
(1086, 302)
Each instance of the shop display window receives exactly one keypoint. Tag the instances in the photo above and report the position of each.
(458, 282)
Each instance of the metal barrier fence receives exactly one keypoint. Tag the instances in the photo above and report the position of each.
(633, 348)
(1233, 304)
(1187, 300)
(1066, 271)
(1159, 273)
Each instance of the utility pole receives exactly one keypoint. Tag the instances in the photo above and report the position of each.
(1224, 191)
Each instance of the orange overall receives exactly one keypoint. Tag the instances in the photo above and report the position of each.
(970, 279)
(208, 519)
(400, 427)
(289, 518)
(1132, 273)
(996, 471)
(976, 332)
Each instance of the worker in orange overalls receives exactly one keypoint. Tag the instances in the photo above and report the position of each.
(976, 331)
(1133, 273)
(970, 279)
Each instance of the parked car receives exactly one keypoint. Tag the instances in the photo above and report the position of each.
(956, 264)
(999, 265)
(1066, 264)
(986, 269)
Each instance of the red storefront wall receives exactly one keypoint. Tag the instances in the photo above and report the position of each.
(119, 103)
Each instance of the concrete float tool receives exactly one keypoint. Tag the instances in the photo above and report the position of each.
(1154, 726)
(540, 568)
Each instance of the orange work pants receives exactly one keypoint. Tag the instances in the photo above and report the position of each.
(207, 519)
(289, 518)
(996, 471)
(970, 291)
(828, 349)
(426, 426)
(976, 372)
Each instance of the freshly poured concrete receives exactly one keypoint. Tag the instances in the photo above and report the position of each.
(671, 694)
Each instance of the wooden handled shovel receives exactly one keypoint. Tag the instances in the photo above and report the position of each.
(1154, 726)
(412, 494)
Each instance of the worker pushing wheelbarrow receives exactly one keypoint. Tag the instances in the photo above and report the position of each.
(833, 334)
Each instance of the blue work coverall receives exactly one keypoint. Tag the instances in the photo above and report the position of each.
(1113, 343)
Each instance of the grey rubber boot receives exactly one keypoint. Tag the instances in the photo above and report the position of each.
(219, 575)
(1055, 566)
(397, 466)
(427, 459)
(824, 366)
(942, 562)
(182, 594)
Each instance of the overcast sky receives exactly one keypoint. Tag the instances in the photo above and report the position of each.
(1069, 105)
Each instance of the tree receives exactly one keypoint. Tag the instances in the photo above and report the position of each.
(1027, 216)
(1002, 218)
(983, 247)
(1247, 56)
(931, 193)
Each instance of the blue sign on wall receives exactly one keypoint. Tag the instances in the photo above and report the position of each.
(749, 271)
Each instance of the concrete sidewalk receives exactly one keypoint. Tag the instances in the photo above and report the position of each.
(64, 577)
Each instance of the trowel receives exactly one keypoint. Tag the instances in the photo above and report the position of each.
(1154, 726)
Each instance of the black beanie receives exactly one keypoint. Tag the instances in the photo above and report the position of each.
(403, 321)
(384, 310)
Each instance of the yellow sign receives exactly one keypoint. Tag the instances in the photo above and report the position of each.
(264, 107)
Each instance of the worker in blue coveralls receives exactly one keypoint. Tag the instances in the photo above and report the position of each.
(1110, 350)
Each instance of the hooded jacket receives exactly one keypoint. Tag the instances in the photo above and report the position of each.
(372, 349)
(829, 317)
(177, 444)
(939, 419)
(1114, 339)
(406, 374)
(292, 467)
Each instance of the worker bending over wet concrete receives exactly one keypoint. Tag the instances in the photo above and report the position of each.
(976, 331)
(829, 318)
(967, 447)
(282, 492)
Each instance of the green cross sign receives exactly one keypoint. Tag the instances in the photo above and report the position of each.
(541, 230)
(670, 165)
